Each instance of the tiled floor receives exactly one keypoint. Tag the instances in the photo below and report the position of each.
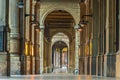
(58, 74)
(56, 77)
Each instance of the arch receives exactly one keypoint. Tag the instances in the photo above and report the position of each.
(60, 39)
(70, 37)
(61, 42)
(44, 15)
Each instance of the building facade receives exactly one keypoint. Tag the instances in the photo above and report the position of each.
(35, 33)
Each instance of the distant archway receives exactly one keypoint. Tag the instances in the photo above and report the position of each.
(60, 55)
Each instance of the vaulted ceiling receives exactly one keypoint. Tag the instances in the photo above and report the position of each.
(59, 19)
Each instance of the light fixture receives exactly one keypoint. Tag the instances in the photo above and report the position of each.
(79, 27)
(83, 23)
(30, 15)
(88, 15)
(20, 4)
(35, 22)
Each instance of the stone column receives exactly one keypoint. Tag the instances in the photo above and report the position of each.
(77, 42)
(14, 37)
(119, 27)
(118, 55)
(41, 48)
(14, 28)
(109, 59)
(60, 57)
(107, 38)
(95, 31)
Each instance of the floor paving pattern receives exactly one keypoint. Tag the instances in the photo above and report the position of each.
(56, 77)
(58, 74)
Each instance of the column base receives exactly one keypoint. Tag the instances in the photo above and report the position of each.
(41, 66)
(32, 65)
(28, 65)
(93, 65)
(109, 65)
(14, 64)
(118, 65)
(37, 65)
(3, 64)
(100, 65)
(70, 69)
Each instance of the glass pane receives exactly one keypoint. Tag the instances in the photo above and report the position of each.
(1, 41)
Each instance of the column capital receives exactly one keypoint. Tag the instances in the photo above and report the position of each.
(76, 27)
(42, 27)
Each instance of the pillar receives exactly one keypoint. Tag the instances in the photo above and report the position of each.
(41, 49)
(118, 53)
(14, 38)
(77, 42)
(107, 37)
(109, 59)
(119, 25)
(60, 57)
(95, 31)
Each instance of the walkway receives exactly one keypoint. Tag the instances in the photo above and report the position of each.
(56, 77)
(58, 74)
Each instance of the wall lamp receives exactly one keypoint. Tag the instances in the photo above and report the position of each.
(83, 23)
(79, 28)
(35, 22)
(20, 4)
(26, 15)
(89, 15)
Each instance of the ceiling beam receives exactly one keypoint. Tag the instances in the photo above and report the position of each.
(60, 17)
(59, 21)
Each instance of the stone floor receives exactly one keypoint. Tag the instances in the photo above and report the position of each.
(58, 74)
(57, 77)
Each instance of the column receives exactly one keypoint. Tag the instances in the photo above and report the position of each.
(95, 32)
(118, 55)
(60, 57)
(77, 42)
(119, 27)
(109, 65)
(41, 49)
(14, 28)
(107, 38)
(14, 37)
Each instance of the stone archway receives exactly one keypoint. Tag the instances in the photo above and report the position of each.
(48, 9)
(60, 42)
(59, 55)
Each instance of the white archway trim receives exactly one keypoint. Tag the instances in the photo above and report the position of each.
(64, 39)
(75, 11)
